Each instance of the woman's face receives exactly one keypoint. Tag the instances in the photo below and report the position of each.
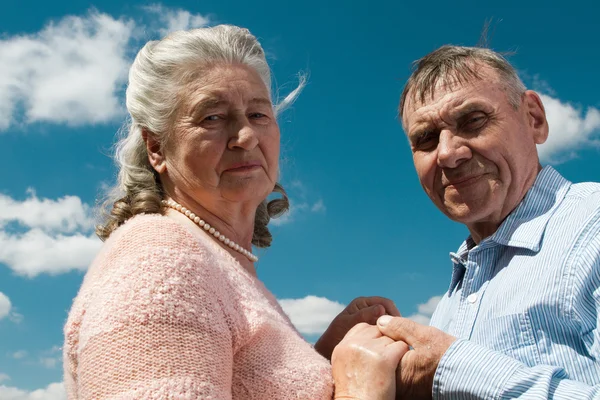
(225, 139)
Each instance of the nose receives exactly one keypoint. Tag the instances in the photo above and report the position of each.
(244, 137)
(452, 150)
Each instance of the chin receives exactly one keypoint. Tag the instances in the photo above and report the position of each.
(464, 213)
(246, 194)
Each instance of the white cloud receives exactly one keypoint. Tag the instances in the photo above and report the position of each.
(311, 314)
(425, 311)
(570, 129)
(54, 391)
(176, 19)
(5, 306)
(37, 252)
(17, 355)
(4, 377)
(73, 70)
(67, 214)
(58, 239)
(69, 72)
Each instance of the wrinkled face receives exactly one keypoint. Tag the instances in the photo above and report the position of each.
(225, 139)
(475, 154)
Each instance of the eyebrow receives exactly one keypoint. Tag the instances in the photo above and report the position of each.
(261, 101)
(468, 108)
(455, 114)
(208, 103)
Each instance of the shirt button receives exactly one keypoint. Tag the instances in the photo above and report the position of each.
(472, 298)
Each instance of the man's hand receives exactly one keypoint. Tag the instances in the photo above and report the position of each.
(414, 376)
(361, 309)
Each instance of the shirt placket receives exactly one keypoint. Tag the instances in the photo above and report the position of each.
(474, 285)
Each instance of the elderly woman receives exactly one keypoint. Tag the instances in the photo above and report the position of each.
(171, 308)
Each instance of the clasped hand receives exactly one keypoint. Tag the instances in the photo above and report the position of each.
(375, 362)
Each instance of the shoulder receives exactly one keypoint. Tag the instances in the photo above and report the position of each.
(149, 230)
(154, 252)
(580, 209)
(152, 267)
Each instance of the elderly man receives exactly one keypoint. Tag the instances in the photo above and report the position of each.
(520, 318)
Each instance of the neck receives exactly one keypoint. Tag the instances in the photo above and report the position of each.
(234, 220)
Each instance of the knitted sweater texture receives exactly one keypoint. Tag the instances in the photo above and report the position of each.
(165, 313)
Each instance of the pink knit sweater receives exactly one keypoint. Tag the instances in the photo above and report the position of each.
(166, 313)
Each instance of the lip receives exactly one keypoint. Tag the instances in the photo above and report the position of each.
(464, 181)
(244, 166)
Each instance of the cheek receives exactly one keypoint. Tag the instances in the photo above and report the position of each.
(270, 147)
(426, 167)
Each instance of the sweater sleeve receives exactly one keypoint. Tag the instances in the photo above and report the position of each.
(155, 327)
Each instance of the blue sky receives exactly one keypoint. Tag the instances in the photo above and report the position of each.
(360, 223)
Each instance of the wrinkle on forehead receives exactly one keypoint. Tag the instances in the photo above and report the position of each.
(449, 99)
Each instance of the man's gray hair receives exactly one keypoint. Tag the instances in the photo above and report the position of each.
(458, 64)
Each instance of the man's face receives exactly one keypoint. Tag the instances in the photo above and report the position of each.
(475, 154)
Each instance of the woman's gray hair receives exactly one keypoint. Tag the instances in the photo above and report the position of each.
(458, 64)
(159, 72)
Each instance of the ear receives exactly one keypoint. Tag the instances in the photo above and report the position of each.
(155, 152)
(536, 116)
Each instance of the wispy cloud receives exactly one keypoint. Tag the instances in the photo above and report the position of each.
(176, 19)
(74, 69)
(5, 306)
(302, 202)
(319, 206)
(311, 315)
(54, 391)
(4, 377)
(18, 355)
(425, 310)
(58, 238)
(51, 358)
(571, 128)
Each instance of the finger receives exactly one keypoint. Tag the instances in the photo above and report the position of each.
(398, 350)
(403, 329)
(357, 329)
(369, 314)
(390, 307)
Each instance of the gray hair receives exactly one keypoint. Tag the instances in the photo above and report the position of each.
(458, 64)
(159, 72)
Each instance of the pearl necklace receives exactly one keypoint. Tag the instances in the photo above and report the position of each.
(211, 230)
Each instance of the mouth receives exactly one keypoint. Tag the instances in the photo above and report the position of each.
(465, 181)
(244, 166)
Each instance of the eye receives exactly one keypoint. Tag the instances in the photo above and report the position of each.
(425, 141)
(257, 115)
(474, 121)
(212, 118)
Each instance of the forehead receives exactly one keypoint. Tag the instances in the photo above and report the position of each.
(451, 95)
(225, 83)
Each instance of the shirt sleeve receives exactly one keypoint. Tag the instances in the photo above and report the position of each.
(471, 371)
(156, 329)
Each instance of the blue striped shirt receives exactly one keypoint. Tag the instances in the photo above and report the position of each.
(524, 303)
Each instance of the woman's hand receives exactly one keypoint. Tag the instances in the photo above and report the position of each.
(361, 309)
(364, 364)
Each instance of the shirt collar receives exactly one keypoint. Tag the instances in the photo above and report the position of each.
(525, 226)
